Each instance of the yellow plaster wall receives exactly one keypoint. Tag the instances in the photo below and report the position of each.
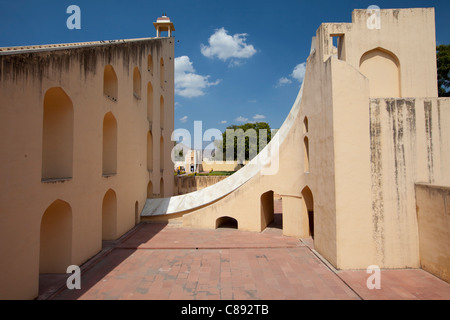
(26, 76)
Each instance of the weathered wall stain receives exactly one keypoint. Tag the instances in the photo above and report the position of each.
(439, 126)
(397, 118)
(429, 138)
(38, 64)
(396, 127)
(377, 177)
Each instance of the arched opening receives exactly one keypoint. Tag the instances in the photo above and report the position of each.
(161, 188)
(109, 215)
(307, 209)
(57, 135)
(136, 83)
(109, 145)
(136, 213)
(382, 68)
(161, 154)
(150, 102)
(267, 209)
(161, 111)
(277, 222)
(306, 153)
(150, 63)
(56, 238)
(110, 83)
(161, 71)
(150, 190)
(226, 222)
(305, 125)
(149, 151)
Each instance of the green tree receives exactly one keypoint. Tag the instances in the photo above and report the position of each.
(443, 69)
(246, 140)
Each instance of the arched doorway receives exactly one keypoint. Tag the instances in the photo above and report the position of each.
(149, 151)
(137, 83)
(161, 153)
(57, 135)
(307, 209)
(109, 145)
(149, 102)
(136, 213)
(150, 63)
(110, 83)
(161, 188)
(306, 153)
(55, 252)
(109, 215)
(305, 125)
(267, 209)
(161, 112)
(150, 190)
(161, 72)
(226, 222)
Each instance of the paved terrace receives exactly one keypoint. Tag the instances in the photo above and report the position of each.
(157, 261)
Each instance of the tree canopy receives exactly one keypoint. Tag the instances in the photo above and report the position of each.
(443, 69)
(244, 142)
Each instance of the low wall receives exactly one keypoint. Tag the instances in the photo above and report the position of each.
(186, 184)
(433, 217)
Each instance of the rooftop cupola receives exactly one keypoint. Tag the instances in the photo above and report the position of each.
(163, 24)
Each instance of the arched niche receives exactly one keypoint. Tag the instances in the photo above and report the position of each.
(382, 68)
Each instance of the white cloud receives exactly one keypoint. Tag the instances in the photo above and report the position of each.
(224, 46)
(223, 121)
(235, 63)
(259, 117)
(283, 81)
(299, 72)
(183, 119)
(187, 83)
(241, 119)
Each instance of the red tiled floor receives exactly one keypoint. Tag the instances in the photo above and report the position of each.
(166, 262)
(148, 237)
(399, 284)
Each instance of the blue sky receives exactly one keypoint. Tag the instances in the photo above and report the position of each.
(236, 60)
